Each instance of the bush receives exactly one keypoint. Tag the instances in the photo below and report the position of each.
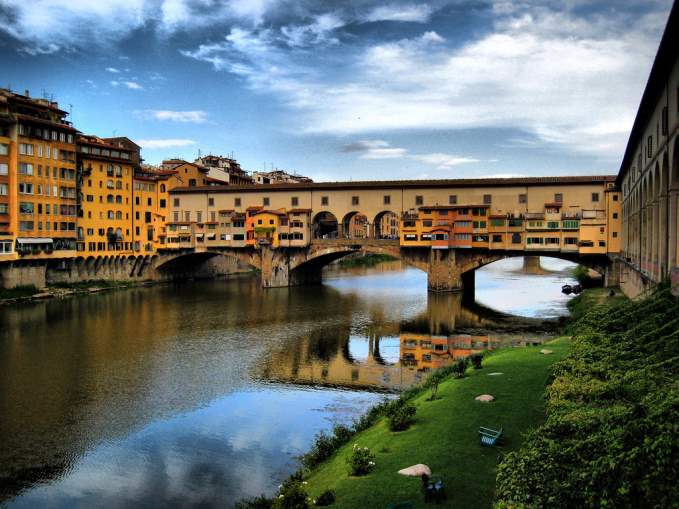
(402, 418)
(255, 503)
(292, 495)
(361, 461)
(326, 498)
(610, 439)
(477, 359)
(460, 367)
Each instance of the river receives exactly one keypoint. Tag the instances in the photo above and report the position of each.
(203, 393)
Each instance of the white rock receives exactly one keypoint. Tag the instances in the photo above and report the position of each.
(544, 351)
(484, 398)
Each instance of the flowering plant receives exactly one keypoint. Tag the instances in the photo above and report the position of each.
(292, 495)
(361, 461)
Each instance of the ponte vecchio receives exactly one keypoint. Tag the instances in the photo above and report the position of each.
(448, 228)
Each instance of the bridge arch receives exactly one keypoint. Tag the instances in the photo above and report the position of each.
(386, 225)
(355, 225)
(188, 262)
(324, 226)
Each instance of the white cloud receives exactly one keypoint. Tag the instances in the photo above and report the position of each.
(132, 85)
(193, 117)
(113, 70)
(418, 13)
(152, 144)
(444, 161)
(565, 80)
(381, 149)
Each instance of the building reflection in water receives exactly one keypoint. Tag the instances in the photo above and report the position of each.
(394, 356)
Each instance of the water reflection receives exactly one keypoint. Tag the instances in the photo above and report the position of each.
(202, 393)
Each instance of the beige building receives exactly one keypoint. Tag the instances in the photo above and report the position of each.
(649, 175)
(279, 177)
(549, 213)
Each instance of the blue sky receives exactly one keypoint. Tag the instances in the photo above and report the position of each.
(342, 90)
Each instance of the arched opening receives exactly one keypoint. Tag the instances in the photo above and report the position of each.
(355, 225)
(386, 225)
(324, 226)
(674, 207)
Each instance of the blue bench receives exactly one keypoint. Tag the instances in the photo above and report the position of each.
(490, 437)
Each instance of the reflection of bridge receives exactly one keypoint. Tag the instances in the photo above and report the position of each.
(446, 269)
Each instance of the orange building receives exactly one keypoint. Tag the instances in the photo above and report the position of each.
(38, 198)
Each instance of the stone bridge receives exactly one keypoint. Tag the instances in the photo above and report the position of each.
(447, 269)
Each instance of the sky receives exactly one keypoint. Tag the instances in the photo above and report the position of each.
(340, 90)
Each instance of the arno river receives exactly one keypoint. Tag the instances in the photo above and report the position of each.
(204, 393)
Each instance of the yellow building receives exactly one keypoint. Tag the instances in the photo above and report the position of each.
(105, 226)
(38, 198)
(151, 212)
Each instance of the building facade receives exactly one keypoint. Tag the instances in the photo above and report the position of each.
(649, 175)
(38, 195)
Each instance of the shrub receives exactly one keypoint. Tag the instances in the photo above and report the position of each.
(292, 495)
(460, 367)
(342, 434)
(326, 498)
(322, 448)
(610, 435)
(402, 418)
(260, 502)
(361, 461)
(477, 358)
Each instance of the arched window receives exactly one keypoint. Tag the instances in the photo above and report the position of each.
(119, 199)
(111, 215)
(119, 215)
(162, 188)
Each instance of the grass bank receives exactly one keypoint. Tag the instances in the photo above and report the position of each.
(590, 299)
(445, 436)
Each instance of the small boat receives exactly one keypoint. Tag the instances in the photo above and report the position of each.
(567, 289)
(576, 289)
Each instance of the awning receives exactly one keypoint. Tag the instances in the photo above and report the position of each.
(34, 240)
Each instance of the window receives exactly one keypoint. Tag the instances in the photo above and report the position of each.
(265, 201)
(210, 202)
(149, 202)
(615, 215)
(25, 188)
(236, 202)
(558, 198)
(595, 197)
(175, 202)
(452, 199)
(523, 198)
(649, 147)
(419, 200)
(162, 203)
(25, 207)
(387, 199)
(615, 235)
(664, 121)
(3, 169)
(354, 200)
(25, 169)
(3, 190)
(192, 182)
(602, 243)
(25, 149)
(147, 217)
(487, 199)
(516, 238)
(4, 149)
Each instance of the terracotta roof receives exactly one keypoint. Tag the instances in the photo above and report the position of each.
(405, 184)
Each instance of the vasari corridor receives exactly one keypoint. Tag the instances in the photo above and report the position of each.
(286, 254)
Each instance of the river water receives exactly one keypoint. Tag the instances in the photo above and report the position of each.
(202, 393)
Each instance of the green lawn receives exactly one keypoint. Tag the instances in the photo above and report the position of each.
(445, 436)
(591, 298)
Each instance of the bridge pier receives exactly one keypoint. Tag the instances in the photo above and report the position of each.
(444, 273)
(276, 271)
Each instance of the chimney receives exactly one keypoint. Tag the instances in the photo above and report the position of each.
(26, 93)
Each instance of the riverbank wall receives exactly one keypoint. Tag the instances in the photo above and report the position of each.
(45, 273)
